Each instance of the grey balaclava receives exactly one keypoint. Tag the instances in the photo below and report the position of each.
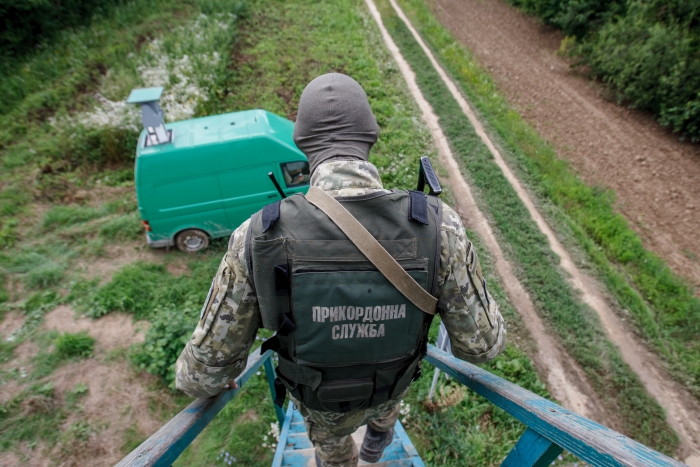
(334, 120)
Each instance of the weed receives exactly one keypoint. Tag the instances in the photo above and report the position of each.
(6, 350)
(8, 233)
(30, 416)
(74, 395)
(169, 332)
(74, 345)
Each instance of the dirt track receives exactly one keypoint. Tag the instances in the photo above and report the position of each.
(565, 379)
(655, 176)
(681, 408)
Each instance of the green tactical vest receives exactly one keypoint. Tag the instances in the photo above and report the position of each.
(347, 339)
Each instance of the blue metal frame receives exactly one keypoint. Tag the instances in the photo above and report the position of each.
(550, 427)
(166, 445)
(549, 422)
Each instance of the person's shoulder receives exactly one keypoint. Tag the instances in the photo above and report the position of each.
(238, 237)
(451, 222)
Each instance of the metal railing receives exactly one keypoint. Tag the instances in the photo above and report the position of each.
(550, 427)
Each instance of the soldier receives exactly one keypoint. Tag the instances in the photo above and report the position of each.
(349, 338)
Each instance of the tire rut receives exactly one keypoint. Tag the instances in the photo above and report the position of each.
(682, 410)
(565, 379)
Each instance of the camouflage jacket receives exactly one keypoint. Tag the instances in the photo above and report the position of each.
(218, 350)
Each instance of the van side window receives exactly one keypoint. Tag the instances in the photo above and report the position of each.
(295, 173)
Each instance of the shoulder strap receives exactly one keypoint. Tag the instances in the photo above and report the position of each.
(371, 248)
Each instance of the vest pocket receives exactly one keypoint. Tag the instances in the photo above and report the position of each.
(384, 381)
(405, 379)
(346, 394)
(273, 305)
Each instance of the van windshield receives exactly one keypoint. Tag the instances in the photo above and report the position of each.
(295, 173)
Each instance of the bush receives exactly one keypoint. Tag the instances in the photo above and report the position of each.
(74, 345)
(647, 51)
(143, 288)
(44, 275)
(26, 23)
(132, 289)
(574, 17)
(654, 67)
(169, 332)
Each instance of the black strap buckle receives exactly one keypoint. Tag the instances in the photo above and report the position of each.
(280, 392)
(270, 214)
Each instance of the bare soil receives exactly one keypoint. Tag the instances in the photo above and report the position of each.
(112, 331)
(117, 256)
(118, 404)
(682, 410)
(654, 174)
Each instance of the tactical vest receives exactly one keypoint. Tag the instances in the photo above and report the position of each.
(347, 339)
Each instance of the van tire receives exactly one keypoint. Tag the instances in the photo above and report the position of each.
(192, 240)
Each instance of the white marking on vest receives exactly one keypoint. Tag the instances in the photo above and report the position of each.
(336, 333)
(370, 314)
(362, 330)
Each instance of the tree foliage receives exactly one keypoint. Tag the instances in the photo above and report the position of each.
(25, 24)
(647, 50)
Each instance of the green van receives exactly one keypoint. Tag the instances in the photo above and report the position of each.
(211, 174)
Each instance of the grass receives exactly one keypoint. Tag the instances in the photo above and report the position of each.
(663, 306)
(69, 345)
(31, 416)
(538, 268)
(339, 37)
(142, 288)
(264, 64)
(37, 413)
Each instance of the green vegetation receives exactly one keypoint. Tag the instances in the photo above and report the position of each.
(30, 24)
(142, 288)
(170, 330)
(662, 305)
(649, 51)
(61, 147)
(31, 416)
(538, 268)
(74, 345)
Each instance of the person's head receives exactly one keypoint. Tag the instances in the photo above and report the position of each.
(334, 120)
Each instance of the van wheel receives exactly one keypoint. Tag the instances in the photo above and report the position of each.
(191, 240)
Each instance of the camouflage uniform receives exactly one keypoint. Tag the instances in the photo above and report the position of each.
(219, 347)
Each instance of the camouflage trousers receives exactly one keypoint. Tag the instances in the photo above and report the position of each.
(331, 432)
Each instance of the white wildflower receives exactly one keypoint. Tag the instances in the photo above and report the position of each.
(183, 62)
(275, 433)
